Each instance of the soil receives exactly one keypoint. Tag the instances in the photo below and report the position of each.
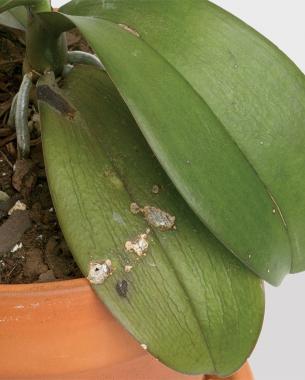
(32, 246)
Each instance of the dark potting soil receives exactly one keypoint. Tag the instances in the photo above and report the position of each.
(32, 246)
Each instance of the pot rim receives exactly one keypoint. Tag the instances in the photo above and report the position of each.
(75, 284)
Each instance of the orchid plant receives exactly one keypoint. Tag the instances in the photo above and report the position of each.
(175, 160)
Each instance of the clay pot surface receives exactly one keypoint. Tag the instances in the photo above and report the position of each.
(244, 373)
(60, 330)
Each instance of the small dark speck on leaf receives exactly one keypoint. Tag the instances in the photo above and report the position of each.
(122, 288)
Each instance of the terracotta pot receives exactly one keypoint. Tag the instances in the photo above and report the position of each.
(244, 373)
(60, 330)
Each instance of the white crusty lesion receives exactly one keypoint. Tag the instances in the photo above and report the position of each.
(135, 208)
(99, 271)
(155, 217)
(139, 245)
(128, 268)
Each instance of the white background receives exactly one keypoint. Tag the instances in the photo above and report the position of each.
(280, 352)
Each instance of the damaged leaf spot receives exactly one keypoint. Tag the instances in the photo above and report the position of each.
(135, 208)
(155, 189)
(138, 246)
(122, 288)
(47, 95)
(99, 271)
(128, 268)
(129, 29)
(113, 178)
(155, 217)
(117, 183)
(108, 172)
(159, 218)
(117, 218)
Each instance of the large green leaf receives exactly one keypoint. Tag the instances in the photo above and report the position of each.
(198, 153)
(14, 18)
(195, 306)
(8, 4)
(202, 70)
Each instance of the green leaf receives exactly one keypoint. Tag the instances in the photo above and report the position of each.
(203, 160)
(37, 5)
(8, 4)
(56, 22)
(247, 88)
(14, 18)
(195, 306)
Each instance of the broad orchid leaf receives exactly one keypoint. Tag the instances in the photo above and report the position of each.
(9, 4)
(194, 305)
(56, 22)
(223, 110)
(14, 18)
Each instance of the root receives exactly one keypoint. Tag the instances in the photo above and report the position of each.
(21, 116)
(75, 57)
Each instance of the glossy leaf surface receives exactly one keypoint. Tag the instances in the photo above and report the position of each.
(199, 155)
(14, 18)
(195, 306)
(8, 4)
(253, 90)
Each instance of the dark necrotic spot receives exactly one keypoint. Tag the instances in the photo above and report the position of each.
(46, 94)
(122, 288)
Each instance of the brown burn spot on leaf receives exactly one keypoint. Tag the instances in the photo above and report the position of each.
(47, 95)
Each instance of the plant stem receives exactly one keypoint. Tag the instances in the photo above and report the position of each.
(45, 50)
